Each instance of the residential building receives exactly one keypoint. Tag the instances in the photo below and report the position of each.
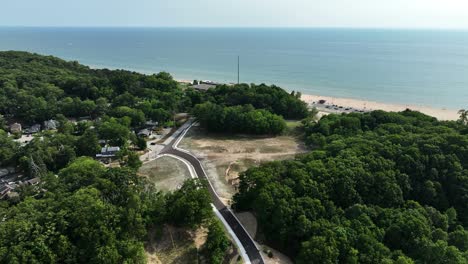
(50, 124)
(108, 152)
(15, 128)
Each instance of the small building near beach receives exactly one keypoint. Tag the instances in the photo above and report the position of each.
(36, 128)
(15, 128)
(50, 124)
(145, 133)
(108, 152)
(203, 86)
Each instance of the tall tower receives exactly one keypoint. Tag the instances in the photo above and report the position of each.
(238, 69)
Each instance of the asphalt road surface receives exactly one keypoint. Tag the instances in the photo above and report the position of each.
(232, 221)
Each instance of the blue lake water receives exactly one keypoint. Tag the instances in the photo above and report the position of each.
(423, 67)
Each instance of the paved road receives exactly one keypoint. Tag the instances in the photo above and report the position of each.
(240, 232)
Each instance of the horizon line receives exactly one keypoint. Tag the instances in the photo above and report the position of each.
(233, 27)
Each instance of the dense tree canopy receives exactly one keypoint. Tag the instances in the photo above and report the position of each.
(35, 88)
(91, 214)
(271, 98)
(238, 119)
(378, 188)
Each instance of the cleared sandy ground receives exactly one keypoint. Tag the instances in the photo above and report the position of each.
(224, 157)
(174, 245)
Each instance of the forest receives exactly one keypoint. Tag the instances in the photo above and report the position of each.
(35, 88)
(238, 119)
(271, 98)
(247, 109)
(93, 214)
(81, 211)
(376, 188)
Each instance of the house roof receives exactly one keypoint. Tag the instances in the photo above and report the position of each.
(33, 181)
(145, 132)
(203, 86)
(50, 124)
(110, 149)
(151, 123)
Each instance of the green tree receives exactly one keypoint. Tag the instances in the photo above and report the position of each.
(133, 160)
(189, 206)
(88, 144)
(463, 116)
(217, 244)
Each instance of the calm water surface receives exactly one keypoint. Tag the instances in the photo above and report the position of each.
(397, 66)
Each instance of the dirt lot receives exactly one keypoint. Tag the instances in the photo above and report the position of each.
(224, 157)
(166, 173)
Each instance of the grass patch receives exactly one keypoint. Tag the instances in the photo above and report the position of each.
(165, 173)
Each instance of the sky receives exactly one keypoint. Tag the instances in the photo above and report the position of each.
(237, 13)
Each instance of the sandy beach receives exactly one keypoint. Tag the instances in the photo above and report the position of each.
(339, 105)
(348, 105)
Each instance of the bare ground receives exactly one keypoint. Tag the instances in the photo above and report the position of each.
(174, 245)
(166, 173)
(224, 157)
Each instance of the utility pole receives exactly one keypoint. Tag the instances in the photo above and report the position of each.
(238, 69)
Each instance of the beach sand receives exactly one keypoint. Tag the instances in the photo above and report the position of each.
(363, 105)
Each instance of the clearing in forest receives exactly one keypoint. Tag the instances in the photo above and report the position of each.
(225, 156)
(166, 173)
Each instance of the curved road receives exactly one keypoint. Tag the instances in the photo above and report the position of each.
(241, 233)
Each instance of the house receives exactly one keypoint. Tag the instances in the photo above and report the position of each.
(15, 128)
(203, 86)
(145, 133)
(151, 123)
(5, 190)
(51, 124)
(6, 171)
(208, 82)
(36, 128)
(84, 118)
(108, 152)
(33, 181)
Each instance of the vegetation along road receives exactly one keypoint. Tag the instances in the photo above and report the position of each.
(247, 242)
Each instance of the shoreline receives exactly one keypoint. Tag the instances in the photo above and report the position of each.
(339, 105)
(355, 105)
(358, 105)
(348, 105)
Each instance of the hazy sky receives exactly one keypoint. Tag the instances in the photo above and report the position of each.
(237, 13)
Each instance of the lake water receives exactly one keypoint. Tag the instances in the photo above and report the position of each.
(420, 67)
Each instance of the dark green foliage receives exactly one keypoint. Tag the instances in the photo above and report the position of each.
(190, 205)
(87, 216)
(217, 243)
(82, 212)
(133, 161)
(238, 119)
(88, 143)
(271, 98)
(8, 149)
(34, 88)
(379, 188)
(141, 143)
(91, 214)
